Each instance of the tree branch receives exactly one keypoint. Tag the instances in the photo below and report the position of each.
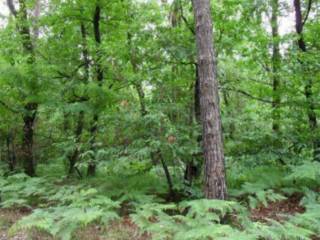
(8, 107)
(307, 13)
(12, 7)
(249, 95)
(186, 21)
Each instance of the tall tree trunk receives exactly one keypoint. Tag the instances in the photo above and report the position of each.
(313, 123)
(30, 108)
(99, 76)
(276, 58)
(215, 183)
(276, 82)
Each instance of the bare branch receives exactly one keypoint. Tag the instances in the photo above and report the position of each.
(249, 95)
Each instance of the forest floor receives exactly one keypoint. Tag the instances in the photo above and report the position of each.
(279, 210)
(125, 229)
(118, 204)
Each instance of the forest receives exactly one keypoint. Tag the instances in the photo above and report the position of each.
(159, 119)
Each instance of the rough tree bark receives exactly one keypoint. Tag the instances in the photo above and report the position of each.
(215, 184)
(308, 92)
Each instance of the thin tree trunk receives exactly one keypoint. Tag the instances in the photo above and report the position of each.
(74, 157)
(137, 85)
(85, 52)
(215, 184)
(232, 127)
(66, 122)
(27, 139)
(157, 155)
(276, 82)
(168, 176)
(30, 108)
(313, 122)
(99, 76)
(141, 95)
(276, 58)
(11, 153)
(93, 131)
(192, 170)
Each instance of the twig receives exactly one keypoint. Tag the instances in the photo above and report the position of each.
(8, 107)
(308, 12)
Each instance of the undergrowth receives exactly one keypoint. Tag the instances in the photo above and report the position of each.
(61, 206)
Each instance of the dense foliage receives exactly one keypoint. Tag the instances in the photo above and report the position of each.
(100, 119)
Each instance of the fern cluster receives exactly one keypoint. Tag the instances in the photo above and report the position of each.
(60, 206)
(75, 208)
(223, 220)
